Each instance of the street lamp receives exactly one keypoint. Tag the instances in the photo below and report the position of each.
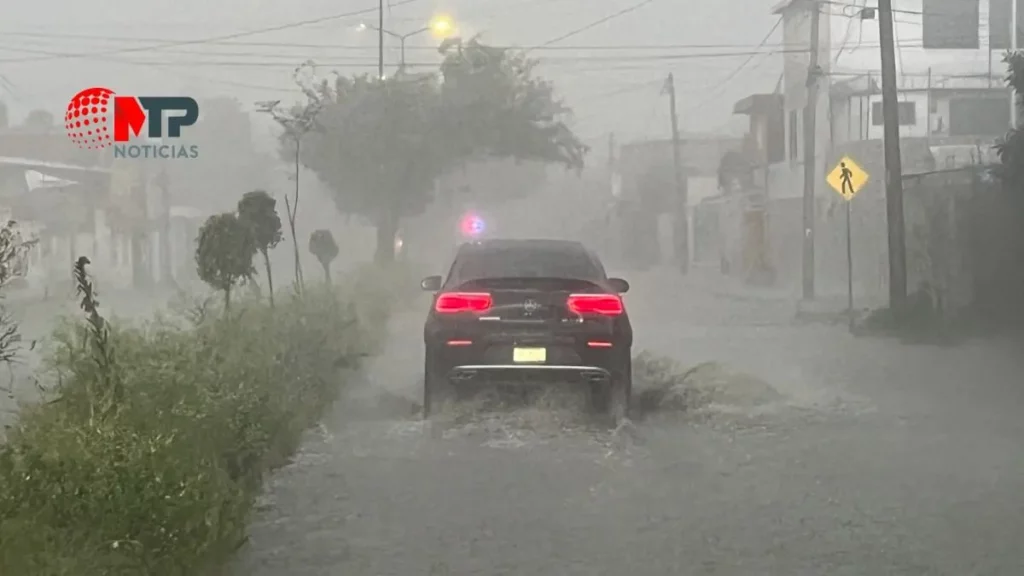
(441, 27)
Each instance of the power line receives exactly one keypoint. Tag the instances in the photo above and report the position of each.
(564, 47)
(846, 35)
(223, 39)
(262, 59)
(715, 91)
(207, 40)
(628, 89)
(594, 24)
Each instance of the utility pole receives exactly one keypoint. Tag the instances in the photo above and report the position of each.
(681, 202)
(1013, 48)
(810, 156)
(893, 165)
(380, 40)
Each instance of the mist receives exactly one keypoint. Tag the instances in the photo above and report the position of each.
(235, 338)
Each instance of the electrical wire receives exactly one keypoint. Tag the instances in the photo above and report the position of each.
(228, 39)
(846, 35)
(564, 47)
(593, 24)
(207, 40)
(717, 90)
(895, 10)
(628, 89)
(625, 62)
(262, 60)
(898, 50)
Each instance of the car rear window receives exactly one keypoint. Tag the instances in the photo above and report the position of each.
(527, 262)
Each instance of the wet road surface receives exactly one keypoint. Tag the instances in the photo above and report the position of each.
(879, 458)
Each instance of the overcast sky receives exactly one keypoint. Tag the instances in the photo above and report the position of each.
(612, 90)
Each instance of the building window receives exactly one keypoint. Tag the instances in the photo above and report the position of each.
(794, 140)
(907, 114)
(951, 24)
(999, 14)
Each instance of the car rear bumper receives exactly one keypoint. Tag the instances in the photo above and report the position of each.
(510, 373)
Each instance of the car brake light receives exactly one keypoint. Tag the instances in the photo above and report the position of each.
(455, 302)
(603, 304)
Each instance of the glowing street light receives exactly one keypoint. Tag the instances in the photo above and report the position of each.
(440, 26)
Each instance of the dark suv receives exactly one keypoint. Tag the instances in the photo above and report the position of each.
(527, 311)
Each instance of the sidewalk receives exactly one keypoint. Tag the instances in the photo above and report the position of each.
(708, 280)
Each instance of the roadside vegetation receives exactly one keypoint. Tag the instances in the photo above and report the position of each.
(148, 446)
(146, 453)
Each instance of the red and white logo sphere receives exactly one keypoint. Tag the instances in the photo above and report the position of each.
(89, 116)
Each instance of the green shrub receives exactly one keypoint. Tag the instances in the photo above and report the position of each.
(159, 478)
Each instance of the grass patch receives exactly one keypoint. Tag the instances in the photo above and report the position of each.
(146, 457)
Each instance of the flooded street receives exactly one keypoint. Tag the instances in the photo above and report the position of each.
(867, 457)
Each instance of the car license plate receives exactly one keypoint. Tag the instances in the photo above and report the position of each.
(529, 355)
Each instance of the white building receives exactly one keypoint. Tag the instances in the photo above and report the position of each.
(948, 65)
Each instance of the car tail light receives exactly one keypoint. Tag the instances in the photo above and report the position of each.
(455, 302)
(603, 304)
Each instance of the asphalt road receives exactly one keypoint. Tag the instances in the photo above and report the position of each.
(879, 458)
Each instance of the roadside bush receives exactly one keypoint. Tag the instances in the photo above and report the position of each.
(925, 321)
(148, 457)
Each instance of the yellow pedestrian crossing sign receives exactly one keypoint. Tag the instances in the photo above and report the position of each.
(847, 178)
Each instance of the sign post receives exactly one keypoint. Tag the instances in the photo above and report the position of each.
(847, 178)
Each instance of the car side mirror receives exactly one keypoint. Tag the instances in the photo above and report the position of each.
(619, 285)
(431, 284)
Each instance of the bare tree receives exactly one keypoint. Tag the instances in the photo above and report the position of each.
(296, 122)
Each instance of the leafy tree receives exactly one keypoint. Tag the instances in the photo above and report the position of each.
(224, 252)
(379, 149)
(1011, 150)
(258, 210)
(495, 107)
(323, 246)
(39, 119)
(381, 145)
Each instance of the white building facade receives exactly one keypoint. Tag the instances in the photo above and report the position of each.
(949, 68)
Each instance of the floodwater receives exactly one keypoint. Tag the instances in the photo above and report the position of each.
(812, 452)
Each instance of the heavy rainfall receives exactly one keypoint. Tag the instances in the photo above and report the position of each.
(789, 236)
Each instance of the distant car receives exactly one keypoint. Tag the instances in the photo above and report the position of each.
(528, 312)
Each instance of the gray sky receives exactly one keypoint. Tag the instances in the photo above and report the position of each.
(611, 90)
